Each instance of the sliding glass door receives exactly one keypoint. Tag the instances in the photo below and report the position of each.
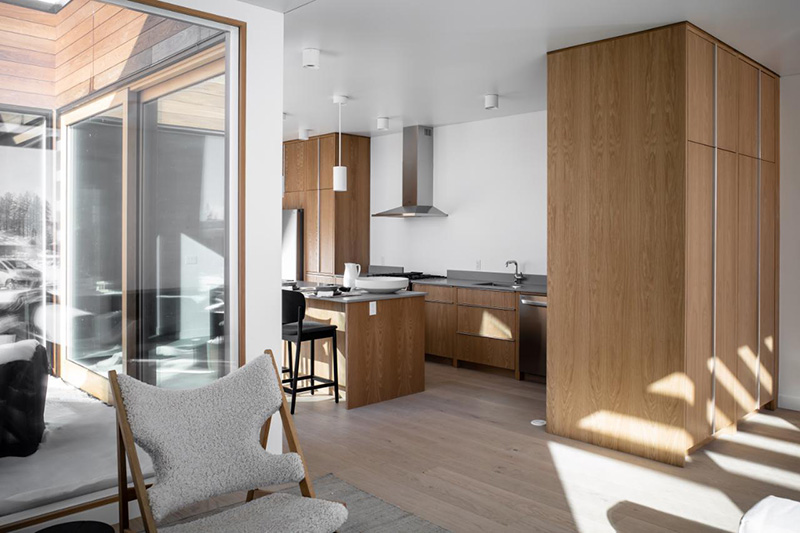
(183, 230)
(147, 232)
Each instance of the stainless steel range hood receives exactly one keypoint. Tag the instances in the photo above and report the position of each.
(417, 175)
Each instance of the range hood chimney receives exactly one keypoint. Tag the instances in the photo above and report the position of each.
(417, 175)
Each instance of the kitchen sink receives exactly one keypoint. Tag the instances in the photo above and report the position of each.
(494, 284)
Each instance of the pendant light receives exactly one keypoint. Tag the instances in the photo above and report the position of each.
(339, 171)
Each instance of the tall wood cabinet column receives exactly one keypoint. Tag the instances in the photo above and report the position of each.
(662, 224)
(336, 223)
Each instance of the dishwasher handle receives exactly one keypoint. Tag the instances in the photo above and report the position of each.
(534, 303)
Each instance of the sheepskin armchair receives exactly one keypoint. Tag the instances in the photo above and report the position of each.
(204, 442)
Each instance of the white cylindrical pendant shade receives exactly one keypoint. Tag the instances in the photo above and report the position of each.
(383, 123)
(303, 134)
(311, 58)
(491, 101)
(340, 179)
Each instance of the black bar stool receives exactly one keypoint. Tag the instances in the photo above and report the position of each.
(296, 330)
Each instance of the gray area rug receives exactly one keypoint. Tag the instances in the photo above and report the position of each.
(368, 512)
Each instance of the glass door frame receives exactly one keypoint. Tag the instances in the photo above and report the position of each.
(70, 371)
(201, 66)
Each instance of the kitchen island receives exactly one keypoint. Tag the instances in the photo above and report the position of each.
(380, 344)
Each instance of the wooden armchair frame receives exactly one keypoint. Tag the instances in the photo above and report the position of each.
(127, 449)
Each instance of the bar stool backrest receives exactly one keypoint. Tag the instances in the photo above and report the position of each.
(293, 307)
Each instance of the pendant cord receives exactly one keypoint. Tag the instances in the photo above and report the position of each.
(340, 134)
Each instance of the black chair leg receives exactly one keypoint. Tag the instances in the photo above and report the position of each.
(312, 366)
(295, 374)
(289, 346)
(335, 356)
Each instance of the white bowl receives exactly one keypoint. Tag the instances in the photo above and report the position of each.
(382, 284)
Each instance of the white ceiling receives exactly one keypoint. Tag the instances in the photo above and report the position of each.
(431, 61)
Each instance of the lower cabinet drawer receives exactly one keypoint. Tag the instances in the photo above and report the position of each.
(485, 351)
(485, 322)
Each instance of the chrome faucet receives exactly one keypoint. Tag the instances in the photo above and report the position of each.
(518, 277)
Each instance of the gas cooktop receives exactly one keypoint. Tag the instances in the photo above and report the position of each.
(411, 276)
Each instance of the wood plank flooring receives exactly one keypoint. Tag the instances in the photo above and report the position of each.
(464, 455)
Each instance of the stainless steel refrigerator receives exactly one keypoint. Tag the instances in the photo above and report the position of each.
(292, 245)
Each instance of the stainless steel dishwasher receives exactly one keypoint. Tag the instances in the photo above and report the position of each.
(533, 334)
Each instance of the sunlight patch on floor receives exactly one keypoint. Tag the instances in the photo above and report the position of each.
(765, 443)
(586, 479)
(756, 471)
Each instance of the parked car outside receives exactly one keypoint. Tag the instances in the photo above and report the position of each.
(16, 274)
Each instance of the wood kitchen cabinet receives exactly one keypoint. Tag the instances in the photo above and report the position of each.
(474, 325)
(748, 109)
(440, 319)
(700, 96)
(769, 112)
(336, 224)
(727, 100)
(672, 335)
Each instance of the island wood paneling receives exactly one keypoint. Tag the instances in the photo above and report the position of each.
(390, 347)
(768, 246)
(727, 280)
(700, 95)
(616, 221)
(699, 289)
(727, 100)
(748, 109)
(747, 289)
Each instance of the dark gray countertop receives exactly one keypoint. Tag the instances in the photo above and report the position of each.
(363, 296)
(355, 296)
(534, 284)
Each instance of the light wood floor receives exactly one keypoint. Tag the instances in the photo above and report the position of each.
(464, 455)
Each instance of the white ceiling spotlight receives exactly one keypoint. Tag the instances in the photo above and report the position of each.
(491, 101)
(311, 58)
(383, 123)
(303, 134)
(339, 171)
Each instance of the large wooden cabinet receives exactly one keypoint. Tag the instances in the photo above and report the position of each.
(662, 241)
(336, 224)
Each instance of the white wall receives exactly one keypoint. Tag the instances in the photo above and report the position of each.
(490, 177)
(789, 333)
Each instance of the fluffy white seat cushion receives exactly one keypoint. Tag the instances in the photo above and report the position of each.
(205, 442)
(274, 513)
(772, 515)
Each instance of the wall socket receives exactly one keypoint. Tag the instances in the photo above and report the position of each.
(477, 264)
(373, 308)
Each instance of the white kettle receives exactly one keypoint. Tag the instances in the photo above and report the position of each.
(351, 272)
